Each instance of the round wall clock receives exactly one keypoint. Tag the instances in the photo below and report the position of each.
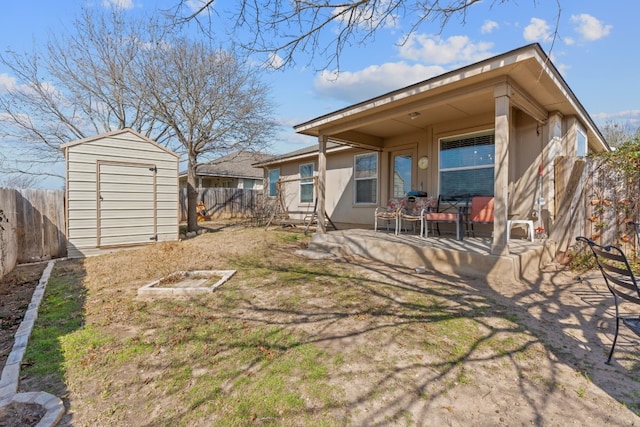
(423, 162)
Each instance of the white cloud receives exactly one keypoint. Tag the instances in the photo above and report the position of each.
(434, 50)
(196, 5)
(589, 27)
(373, 80)
(628, 115)
(569, 41)
(120, 4)
(275, 61)
(537, 31)
(7, 83)
(489, 26)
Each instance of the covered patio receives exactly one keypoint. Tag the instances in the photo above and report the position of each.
(509, 121)
(470, 257)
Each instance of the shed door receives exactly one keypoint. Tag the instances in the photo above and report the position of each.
(126, 203)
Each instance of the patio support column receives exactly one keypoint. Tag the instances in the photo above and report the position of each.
(500, 245)
(554, 150)
(322, 177)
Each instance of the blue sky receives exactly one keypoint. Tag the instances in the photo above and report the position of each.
(594, 51)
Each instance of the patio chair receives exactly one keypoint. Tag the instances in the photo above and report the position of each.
(420, 207)
(621, 282)
(390, 212)
(481, 213)
(449, 209)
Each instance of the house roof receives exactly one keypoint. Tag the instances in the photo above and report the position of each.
(537, 88)
(235, 165)
(303, 153)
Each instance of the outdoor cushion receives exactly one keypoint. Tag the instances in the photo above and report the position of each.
(442, 216)
(390, 212)
(481, 209)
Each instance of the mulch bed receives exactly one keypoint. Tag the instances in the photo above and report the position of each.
(16, 290)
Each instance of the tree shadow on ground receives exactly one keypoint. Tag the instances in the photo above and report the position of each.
(426, 337)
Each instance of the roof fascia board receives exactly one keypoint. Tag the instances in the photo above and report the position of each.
(358, 139)
(499, 61)
(434, 101)
(304, 156)
(548, 68)
(522, 101)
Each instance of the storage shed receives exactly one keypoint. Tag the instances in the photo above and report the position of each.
(122, 190)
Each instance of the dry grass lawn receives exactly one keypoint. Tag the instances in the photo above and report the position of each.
(295, 342)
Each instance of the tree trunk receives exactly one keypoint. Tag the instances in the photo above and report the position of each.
(192, 195)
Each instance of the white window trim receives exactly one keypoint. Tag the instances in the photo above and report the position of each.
(269, 182)
(377, 178)
(580, 132)
(310, 182)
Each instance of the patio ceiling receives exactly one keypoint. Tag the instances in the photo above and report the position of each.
(537, 89)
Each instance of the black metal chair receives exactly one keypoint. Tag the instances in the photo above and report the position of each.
(621, 282)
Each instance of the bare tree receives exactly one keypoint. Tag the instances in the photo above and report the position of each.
(324, 28)
(212, 102)
(20, 181)
(79, 85)
(115, 73)
(616, 133)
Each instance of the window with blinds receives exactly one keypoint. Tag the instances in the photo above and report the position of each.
(366, 178)
(467, 164)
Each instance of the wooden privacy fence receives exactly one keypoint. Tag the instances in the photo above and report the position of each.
(35, 228)
(226, 202)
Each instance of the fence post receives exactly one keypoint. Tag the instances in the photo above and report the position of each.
(8, 239)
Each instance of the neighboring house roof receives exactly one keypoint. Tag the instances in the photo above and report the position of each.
(535, 87)
(235, 165)
(303, 153)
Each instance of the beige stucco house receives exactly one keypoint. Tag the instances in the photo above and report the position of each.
(496, 128)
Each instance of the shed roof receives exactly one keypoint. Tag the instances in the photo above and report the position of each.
(116, 133)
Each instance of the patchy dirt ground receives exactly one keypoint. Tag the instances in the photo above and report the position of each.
(20, 415)
(16, 290)
(538, 358)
